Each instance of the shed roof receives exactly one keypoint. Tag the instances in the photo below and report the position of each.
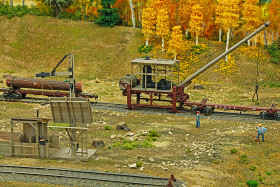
(159, 62)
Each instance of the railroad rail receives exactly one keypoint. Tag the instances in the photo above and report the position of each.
(79, 177)
(219, 114)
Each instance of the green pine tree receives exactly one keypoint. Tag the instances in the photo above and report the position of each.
(108, 16)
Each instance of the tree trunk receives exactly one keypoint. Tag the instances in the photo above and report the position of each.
(272, 37)
(23, 3)
(256, 41)
(162, 44)
(265, 39)
(3, 2)
(248, 41)
(11, 3)
(187, 32)
(196, 38)
(20, 82)
(220, 34)
(147, 42)
(228, 34)
(132, 13)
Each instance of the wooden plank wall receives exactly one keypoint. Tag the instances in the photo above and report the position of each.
(5, 148)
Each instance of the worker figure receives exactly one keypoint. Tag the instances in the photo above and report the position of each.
(261, 131)
(198, 116)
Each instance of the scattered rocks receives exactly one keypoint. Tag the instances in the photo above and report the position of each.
(98, 143)
(133, 166)
(113, 136)
(122, 126)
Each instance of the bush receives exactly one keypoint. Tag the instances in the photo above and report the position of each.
(253, 168)
(252, 183)
(274, 51)
(244, 159)
(268, 173)
(19, 11)
(107, 127)
(154, 133)
(216, 162)
(139, 164)
(233, 151)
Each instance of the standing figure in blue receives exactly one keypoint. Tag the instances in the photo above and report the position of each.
(198, 116)
(261, 131)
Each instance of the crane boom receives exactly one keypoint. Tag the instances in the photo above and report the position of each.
(266, 24)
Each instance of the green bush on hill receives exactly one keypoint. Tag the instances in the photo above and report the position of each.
(6, 9)
(274, 51)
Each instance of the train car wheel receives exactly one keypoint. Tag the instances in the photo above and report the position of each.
(208, 110)
(264, 114)
(194, 109)
(18, 95)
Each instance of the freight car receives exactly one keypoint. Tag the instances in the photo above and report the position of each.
(153, 81)
(19, 87)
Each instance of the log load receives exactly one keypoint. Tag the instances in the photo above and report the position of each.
(20, 82)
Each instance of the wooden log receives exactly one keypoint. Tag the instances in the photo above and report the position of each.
(20, 82)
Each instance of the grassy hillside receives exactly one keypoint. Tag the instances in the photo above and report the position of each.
(33, 44)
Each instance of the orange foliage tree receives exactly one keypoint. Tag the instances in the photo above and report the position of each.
(219, 16)
(148, 24)
(162, 24)
(274, 12)
(176, 43)
(184, 12)
(196, 21)
(251, 15)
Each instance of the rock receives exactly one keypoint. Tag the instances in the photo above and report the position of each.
(169, 118)
(133, 166)
(129, 134)
(97, 80)
(122, 126)
(170, 133)
(151, 159)
(145, 133)
(141, 169)
(113, 136)
(5, 75)
(198, 87)
(98, 144)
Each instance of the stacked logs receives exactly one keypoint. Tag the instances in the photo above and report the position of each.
(20, 82)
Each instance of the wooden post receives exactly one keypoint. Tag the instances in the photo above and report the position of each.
(37, 140)
(128, 93)
(174, 94)
(12, 139)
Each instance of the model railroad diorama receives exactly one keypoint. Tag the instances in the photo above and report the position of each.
(151, 80)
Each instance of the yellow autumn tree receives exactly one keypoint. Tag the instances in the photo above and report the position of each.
(274, 12)
(219, 16)
(251, 15)
(230, 18)
(176, 43)
(162, 24)
(148, 24)
(196, 21)
(184, 12)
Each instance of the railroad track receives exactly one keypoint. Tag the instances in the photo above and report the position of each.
(217, 115)
(78, 177)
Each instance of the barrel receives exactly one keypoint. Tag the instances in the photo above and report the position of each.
(127, 80)
(20, 82)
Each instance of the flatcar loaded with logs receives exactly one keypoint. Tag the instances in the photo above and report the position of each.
(19, 87)
(152, 81)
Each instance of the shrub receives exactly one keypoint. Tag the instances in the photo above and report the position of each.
(233, 151)
(139, 164)
(244, 159)
(268, 173)
(253, 168)
(274, 51)
(154, 133)
(252, 183)
(216, 162)
(107, 127)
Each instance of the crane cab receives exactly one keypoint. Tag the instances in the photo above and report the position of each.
(151, 81)
(156, 75)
